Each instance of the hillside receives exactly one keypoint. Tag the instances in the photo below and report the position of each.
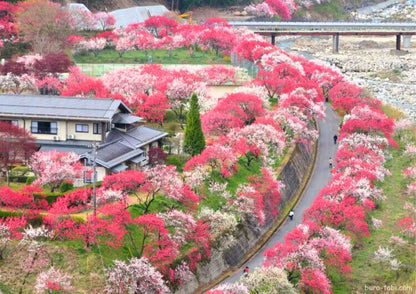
(336, 9)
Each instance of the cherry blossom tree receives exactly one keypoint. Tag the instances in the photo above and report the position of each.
(95, 45)
(245, 107)
(160, 25)
(82, 19)
(219, 123)
(105, 20)
(277, 79)
(53, 280)
(123, 45)
(154, 107)
(138, 276)
(11, 83)
(44, 24)
(165, 180)
(217, 74)
(16, 145)
(8, 29)
(269, 280)
(156, 243)
(236, 288)
(37, 257)
(52, 167)
(306, 253)
(222, 226)
(366, 119)
(128, 181)
(217, 157)
(252, 49)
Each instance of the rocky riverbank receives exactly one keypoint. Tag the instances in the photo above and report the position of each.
(372, 62)
(392, 10)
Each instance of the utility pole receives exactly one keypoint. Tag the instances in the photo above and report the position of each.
(94, 177)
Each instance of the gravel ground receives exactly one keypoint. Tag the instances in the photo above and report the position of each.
(373, 63)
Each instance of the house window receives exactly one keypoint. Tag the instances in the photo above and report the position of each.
(44, 127)
(97, 128)
(81, 128)
(13, 122)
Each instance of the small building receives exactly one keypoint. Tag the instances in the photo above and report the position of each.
(74, 124)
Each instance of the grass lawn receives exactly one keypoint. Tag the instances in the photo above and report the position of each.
(366, 273)
(179, 56)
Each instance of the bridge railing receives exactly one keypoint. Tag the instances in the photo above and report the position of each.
(342, 26)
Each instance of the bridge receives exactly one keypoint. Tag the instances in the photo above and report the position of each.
(335, 29)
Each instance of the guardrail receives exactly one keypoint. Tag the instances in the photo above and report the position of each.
(338, 26)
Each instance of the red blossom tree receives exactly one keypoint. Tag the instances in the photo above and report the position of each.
(245, 107)
(276, 80)
(154, 107)
(160, 25)
(16, 145)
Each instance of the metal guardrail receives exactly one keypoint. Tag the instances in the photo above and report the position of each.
(342, 26)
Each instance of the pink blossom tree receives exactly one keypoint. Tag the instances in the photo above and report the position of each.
(52, 167)
(105, 20)
(138, 276)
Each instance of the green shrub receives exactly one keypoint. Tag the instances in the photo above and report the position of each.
(170, 116)
(48, 196)
(20, 171)
(7, 213)
(66, 186)
(172, 127)
(11, 49)
(30, 180)
(177, 160)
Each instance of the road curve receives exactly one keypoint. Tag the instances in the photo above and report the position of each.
(319, 179)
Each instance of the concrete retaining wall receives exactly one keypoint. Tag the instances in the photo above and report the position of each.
(292, 174)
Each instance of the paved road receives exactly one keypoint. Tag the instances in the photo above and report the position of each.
(319, 179)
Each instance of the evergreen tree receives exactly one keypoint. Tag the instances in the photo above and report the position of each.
(194, 137)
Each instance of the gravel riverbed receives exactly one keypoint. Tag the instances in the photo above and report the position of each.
(373, 63)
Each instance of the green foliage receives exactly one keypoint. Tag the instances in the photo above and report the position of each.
(10, 49)
(50, 197)
(179, 56)
(66, 186)
(327, 10)
(8, 213)
(194, 141)
(177, 160)
(216, 202)
(30, 180)
(19, 171)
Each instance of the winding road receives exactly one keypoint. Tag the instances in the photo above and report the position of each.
(319, 179)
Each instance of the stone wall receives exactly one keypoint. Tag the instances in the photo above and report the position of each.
(292, 175)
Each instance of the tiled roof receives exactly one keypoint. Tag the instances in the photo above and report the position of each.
(121, 147)
(60, 107)
(136, 137)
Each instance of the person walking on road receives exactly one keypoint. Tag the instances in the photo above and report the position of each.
(335, 139)
(245, 272)
(291, 214)
(331, 162)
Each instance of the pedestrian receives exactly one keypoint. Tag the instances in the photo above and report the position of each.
(331, 162)
(291, 214)
(335, 139)
(245, 272)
